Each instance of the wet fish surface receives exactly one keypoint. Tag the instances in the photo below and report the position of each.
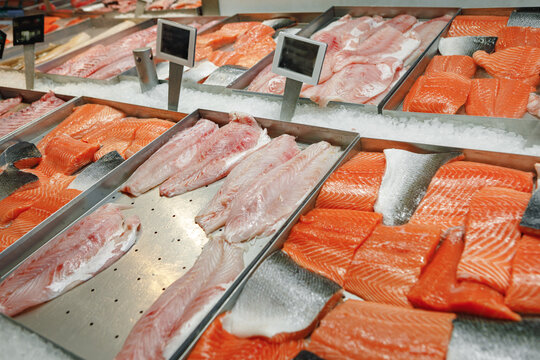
(530, 222)
(405, 182)
(281, 301)
(21, 155)
(12, 179)
(466, 45)
(95, 171)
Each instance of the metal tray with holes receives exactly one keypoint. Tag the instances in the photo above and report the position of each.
(528, 126)
(12, 255)
(514, 161)
(93, 319)
(332, 14)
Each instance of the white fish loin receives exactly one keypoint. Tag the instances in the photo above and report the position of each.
(263, 208)
(248, 171)
(405, 182)
(171, 158)
(89, 246)
(167, 322)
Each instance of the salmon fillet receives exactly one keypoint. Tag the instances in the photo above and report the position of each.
(118, 136)
(446, 203)
(492, 236)
(66, 155)
(366, 330)
(390, 261)
(146, 133)
(477, 25)
(498, 97)
(518, 63)
(325, 240)
(440, 93)
(511, 36)
(355, 184)
(218, 344)
(457, 64)
(523, 295)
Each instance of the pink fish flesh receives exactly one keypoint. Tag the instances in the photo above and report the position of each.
(533, 107)
(8, 104)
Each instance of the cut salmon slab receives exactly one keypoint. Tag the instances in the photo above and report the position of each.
(492, 236)
(146, 133)
(511, 36)
(477, 25)
(439, 93)
(519, 63)
(355, 184)
(498, 97)
(389, 262)
(438, 288)
(366, 330)
(458, 64)
(218, 344)
(446, 203)
(325, 240)
(523, 295)
(66, 155)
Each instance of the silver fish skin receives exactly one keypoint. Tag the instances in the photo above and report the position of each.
(405, 181)
(12, 179)
(467, 45)
(530, 222)
(225, 75)
(95, 171)
(21, 151)
(281, 298)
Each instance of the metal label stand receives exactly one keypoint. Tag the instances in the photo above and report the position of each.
(29, 60)
(290, 98)
(175, 83)
(139, 8)
(146, 69)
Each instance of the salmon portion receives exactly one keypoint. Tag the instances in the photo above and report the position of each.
(492, 236)
(438, 288)
(477, 25)
(523, 295)
(457, 64)
(446, 203)
(325, 240)
(118, 136)
(518, 63)
(439, 93)
(498, 97)
(366, 330)
(355, 184)
(150, 130)
(66, 155)
(511, 36)
(217, 344)
(389, 262)
(226, 35)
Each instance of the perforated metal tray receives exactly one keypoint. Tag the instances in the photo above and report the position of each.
(94, 319)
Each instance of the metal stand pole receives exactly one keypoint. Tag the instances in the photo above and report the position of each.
(29, 59)
(290, 98)
(144, 63)
(139, 8)
(175, 83)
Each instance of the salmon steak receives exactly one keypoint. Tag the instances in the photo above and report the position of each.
(366, 330)
(355, 184)
(389, 262)
(446, 203)
(477, 25)
(492, 236)
(519, 63)
(457, 64)
(511, 36)
(523, 294)
(325, 240)
(498, 97)
(440, 93)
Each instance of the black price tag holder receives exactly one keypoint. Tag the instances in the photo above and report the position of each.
(176, 43)
(28, 30)
(3, 38)
(300, 60)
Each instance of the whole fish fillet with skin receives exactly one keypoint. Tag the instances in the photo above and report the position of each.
(281, 301)
(365, 330)
(247, 172)
(219, 154)
(85, 249)
(161, 328)
(263, 208)
(405, 182)
(171, 158)
(492, 236)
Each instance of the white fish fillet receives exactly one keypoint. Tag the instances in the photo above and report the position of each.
(178, 153)
(219, 155)
(166, 320)
(249, 170)
(263, 208)
(88, 247)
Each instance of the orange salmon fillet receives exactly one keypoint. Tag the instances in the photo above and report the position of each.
(511, 36)
(457, 64)
(66, 155)
(477, 25)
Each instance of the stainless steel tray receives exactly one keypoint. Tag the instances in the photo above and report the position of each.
(333, 14)
(514, 161)
(11, 256)
(528, 126)
(93, 319)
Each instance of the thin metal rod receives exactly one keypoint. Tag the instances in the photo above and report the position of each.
(29, 60)
(175, 83)
(290, 98)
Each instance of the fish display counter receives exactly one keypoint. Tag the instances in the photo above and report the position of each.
(482, 70)
(371, 232)
(166, 260)
(387, 43)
